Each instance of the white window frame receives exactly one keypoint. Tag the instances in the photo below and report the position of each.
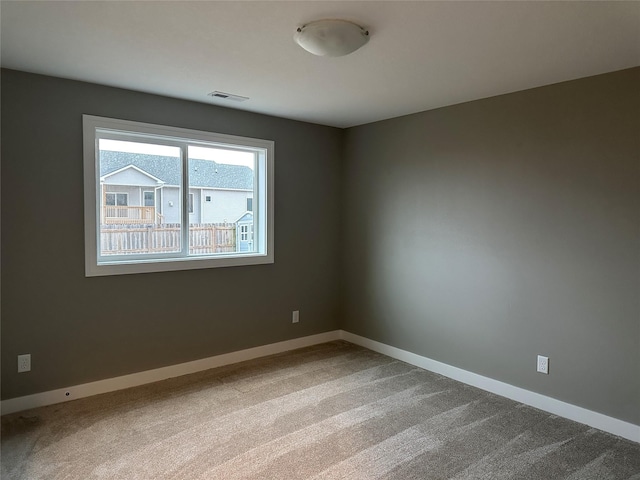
(263, 186)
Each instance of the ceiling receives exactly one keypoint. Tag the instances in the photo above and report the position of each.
(422, 55)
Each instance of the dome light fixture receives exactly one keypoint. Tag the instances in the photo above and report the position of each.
(331, 38)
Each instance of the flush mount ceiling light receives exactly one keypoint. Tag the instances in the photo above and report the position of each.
(331, 38)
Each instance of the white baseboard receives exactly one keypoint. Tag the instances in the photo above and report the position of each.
(572, 412)
(603, 422)
(135, 379)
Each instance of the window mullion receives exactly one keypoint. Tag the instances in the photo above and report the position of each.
(184, 149)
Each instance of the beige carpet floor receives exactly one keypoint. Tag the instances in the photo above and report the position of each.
(332, 411)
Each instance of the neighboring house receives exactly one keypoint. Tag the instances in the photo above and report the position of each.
(130, 195)
(142, 188)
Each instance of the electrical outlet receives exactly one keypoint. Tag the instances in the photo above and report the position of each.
(24, 363)
(296, 316)
(543, 364)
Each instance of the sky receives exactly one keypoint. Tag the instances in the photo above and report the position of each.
(229, 157)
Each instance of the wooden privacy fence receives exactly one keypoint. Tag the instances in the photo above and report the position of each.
(163, 238)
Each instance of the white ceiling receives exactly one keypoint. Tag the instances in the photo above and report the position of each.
(422, 55)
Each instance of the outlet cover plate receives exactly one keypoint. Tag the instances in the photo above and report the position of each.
(543, 364)
(24, 363)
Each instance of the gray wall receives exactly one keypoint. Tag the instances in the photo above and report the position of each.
(83, 329)
(485, 233)
(479, 235)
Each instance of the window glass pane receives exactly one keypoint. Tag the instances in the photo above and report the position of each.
(227, 177)
(130, 222)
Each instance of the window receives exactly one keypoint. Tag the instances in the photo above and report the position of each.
(115, 206)
(139, 184)
(149, 199)
(119, 199)
(191, 203)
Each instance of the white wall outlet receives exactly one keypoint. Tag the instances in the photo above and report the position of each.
(296, 316)
(543, 364)
(24, 363)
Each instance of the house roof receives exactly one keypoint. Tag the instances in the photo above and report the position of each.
(133, 167)
(245, 217)
(202, 173)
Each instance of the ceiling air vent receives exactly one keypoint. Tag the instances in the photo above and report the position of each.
(228, 96)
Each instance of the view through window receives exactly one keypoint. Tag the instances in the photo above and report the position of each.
(182, 196)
